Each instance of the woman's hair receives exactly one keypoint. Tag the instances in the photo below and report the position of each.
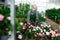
(34, 6)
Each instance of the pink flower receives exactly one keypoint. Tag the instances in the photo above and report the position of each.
(31, 26)
(29, 23)
(34, 26)
(35, 35)
(24, 27)
(42, 35)
(20, 36)
(45, 25)
(53, 33)
(57, 34)
(1, 17)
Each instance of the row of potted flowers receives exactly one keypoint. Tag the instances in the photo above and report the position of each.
(44, 30)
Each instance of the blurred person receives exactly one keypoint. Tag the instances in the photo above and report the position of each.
(32, 15)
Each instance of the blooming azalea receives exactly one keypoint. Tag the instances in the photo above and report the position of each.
(53, 33)
(1, 17)
(24, 27)
(35, 35)
(19, 36)
(45, 25)
(57, 34)
(42, 35)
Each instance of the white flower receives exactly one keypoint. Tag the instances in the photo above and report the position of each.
(47, 33)
(18, 31)
(34, 29)
(41, 24)
(37, 28)
(29, 30)
(44, 30)
(9, 18)
(41, 31)
(9, 33)
(50, 29)
(21, 23)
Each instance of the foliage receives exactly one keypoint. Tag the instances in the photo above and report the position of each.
(4, 26)
(53, 14)
(41, 19)
(4, 22)
(57, 38)
(5, 11)
(18, 26)
(44, 32)
(22, 12)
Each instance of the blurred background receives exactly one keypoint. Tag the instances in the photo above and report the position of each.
(14, 14)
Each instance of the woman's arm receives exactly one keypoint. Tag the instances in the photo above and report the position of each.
(28, 17)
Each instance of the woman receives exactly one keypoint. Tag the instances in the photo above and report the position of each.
(33, 15)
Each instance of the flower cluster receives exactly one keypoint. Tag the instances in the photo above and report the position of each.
(44, 30)
(4, 25)
(1, 17)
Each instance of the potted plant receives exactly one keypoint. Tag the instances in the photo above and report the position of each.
(4, 23)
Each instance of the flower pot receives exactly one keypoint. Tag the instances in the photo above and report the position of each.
(4, 37)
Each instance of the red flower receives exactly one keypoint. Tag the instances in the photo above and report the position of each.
(42, 35)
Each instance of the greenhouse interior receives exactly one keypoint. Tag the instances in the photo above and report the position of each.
(29, 19)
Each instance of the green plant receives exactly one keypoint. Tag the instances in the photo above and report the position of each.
(53, 14)
(4, 22)
(41, 19)
(22, 10)
(5, 11)
(4, 26)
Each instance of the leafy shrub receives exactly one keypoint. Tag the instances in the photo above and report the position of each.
(5, 11)
(53, 14)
